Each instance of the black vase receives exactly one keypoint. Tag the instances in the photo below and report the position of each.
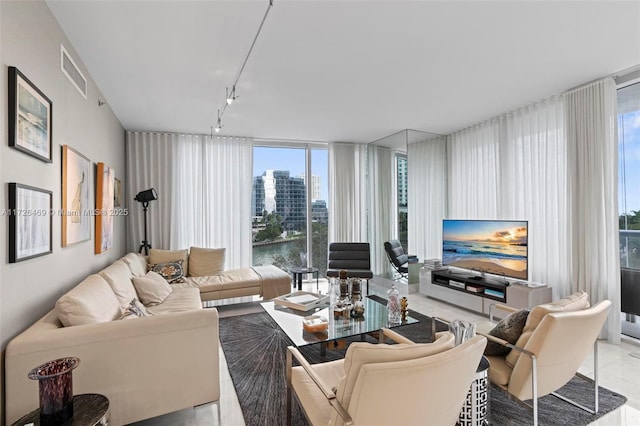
(55, 380)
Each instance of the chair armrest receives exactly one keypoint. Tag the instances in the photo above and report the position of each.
(435, 320)
(508, 345)
(501, 307)
(398, 338)
(326, 390)
(346, 417)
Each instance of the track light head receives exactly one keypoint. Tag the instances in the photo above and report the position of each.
(231, 96)
(218, 124)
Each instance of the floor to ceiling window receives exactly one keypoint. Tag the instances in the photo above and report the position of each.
(401, 179)
(289, 202)
(629, 205)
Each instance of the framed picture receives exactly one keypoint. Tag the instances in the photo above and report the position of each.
(76, 210)
(104, 208)
(117, 193)
(29, 222)
(29, 117)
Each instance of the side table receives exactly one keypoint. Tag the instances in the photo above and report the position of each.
(299, 272)
(475, 410)
(89, 409)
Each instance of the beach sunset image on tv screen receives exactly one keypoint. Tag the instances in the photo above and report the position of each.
(495, 247)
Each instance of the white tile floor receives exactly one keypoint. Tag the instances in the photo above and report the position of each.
(619, 367)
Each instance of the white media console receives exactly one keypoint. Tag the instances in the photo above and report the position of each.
(477, 293)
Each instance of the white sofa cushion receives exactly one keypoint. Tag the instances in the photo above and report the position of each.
(204, 262)
(137, 264)
(91, 301)
(180, 300)
(118, 276)
(163, 256)
(152, 289)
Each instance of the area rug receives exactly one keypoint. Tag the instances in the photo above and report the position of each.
(255, 349)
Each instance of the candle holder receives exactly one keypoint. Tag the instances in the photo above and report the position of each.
(55, 382)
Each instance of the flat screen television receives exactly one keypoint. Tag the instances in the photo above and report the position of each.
(496, 247)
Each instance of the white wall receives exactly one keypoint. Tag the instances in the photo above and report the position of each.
(30, 39)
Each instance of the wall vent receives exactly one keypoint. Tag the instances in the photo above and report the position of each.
(72, 72)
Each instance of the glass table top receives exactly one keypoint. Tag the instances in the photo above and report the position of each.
(290, 321)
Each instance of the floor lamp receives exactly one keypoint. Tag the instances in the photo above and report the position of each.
(144, 197)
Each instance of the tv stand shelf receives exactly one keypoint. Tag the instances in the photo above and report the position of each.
(472, 292)
(465, 282)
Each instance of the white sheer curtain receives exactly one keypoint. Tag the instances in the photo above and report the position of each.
(474, 172)
(204, 191)
(514, 167)
(150, 165)
(347, 192)
(593, 176)
(427, 196)
(533, 186)
(228, 184)
(381, 205)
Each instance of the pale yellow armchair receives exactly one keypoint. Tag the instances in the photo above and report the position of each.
(382, 384)
(556, 340)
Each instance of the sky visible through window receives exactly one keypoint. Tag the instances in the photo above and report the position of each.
(293, 160)
(629, 160)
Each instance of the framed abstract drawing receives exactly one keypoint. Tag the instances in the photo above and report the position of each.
(29, 222)
(104, 207)
(76, 210)
(29, 117)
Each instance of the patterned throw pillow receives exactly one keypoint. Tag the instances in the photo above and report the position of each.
(509, 329)
(135, 310)
(170, 271)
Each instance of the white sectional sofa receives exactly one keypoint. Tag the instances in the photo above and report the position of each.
(146, 366)
(204, 270)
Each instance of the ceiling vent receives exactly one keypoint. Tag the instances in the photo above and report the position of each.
(72, 72)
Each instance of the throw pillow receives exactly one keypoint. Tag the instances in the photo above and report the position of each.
(204, 262)
(91, 301)
(170, 271)
(163, 256)
(135, 310)
(152, 289)
(509, 329)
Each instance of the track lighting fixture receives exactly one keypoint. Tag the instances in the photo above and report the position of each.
(231, 95)
(219, 124)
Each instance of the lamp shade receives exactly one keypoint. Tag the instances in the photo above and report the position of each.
(146, 195)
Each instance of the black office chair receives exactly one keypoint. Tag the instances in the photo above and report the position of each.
(354, 257)
(398, 258)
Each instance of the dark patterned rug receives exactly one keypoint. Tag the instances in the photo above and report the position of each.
(255, 349)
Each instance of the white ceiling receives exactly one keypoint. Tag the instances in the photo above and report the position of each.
(342, 70)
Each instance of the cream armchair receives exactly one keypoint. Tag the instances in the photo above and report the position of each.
(383, 384)
(549, 352)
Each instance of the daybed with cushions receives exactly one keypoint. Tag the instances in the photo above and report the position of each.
(204, 269)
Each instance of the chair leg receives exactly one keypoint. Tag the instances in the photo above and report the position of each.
(534, 388)
(595, 382)
(288, 376)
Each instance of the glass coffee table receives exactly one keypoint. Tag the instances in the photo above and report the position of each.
(290, 321)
